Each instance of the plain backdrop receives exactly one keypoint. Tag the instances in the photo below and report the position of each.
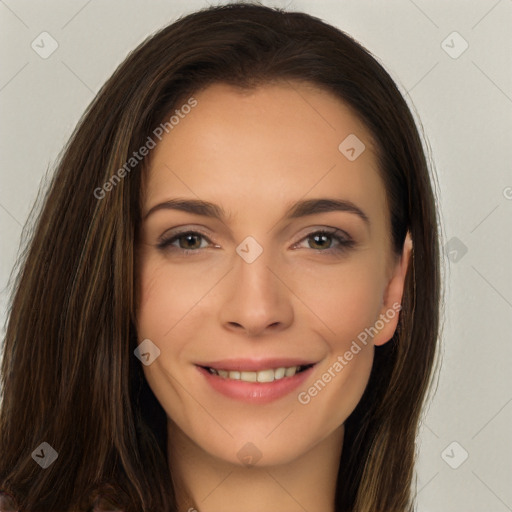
(452, 61)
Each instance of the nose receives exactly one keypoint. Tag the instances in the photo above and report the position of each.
(256, 301)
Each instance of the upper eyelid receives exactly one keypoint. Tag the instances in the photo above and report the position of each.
(180, 230)
(186, 228)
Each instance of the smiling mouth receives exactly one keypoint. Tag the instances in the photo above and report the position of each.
(268, 375)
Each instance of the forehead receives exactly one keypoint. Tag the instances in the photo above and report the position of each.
(269, 146)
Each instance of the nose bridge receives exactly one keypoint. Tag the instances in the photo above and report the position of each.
(257, 299)
(255, 283)
(254, 276)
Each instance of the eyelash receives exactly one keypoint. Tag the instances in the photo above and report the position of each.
(344, 242)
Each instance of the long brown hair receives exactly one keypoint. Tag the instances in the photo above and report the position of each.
(69, 376)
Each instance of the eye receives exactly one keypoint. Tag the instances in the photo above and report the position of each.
(187, 242)
(328, 240)
(323, 240)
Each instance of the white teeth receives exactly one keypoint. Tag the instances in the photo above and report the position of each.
(262, 376)
(248, 376)
(266, 376)
(279, 373)
(290, 371)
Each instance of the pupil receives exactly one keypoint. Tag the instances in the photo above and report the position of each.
(190, 241)
(322, 242)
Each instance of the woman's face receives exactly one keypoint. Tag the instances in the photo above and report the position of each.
(265, 247)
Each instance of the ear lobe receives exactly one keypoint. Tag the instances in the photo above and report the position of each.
(391, 306)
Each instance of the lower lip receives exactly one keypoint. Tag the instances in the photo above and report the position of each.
(255, 392)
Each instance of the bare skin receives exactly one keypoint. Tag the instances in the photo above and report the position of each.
(307, 295)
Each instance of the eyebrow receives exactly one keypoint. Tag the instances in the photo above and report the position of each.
(299, 209)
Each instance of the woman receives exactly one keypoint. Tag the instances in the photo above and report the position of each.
(231, 297)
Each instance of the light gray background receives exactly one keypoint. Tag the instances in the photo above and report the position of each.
(465, 105)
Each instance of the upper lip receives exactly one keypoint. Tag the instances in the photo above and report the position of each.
(255, 365)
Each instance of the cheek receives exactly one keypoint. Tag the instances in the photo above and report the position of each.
(337, 389)
(168, 311)
(346, 298)
(169, 294)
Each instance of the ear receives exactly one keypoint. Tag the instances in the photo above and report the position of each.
(392, 299)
